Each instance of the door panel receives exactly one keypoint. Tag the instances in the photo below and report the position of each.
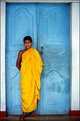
(54, 46)
(49, 26)
(21, 21)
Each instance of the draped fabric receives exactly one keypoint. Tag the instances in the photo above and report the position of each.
(31, 68)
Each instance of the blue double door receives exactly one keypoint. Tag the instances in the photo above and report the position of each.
(49, 27)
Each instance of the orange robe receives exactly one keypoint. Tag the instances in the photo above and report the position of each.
(31, 68)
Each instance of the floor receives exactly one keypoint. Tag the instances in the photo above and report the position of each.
(43, 118)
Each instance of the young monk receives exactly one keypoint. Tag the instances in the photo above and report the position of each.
(30, 65)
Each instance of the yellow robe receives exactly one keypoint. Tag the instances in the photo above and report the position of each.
(31, 68)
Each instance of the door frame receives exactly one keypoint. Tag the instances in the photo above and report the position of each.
(75, 83)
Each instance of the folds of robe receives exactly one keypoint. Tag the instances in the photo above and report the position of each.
(31, 68)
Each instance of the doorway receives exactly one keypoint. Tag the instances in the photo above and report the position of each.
(49, 26)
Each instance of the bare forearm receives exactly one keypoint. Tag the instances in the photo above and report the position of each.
(18, 62)
(18, 66)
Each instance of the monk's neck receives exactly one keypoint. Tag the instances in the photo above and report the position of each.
(27, 49)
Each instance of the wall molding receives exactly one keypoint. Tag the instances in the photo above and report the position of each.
(56, 1)
(75, 56)
(2, 56)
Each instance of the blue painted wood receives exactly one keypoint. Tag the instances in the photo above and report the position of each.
(54, 39)
(49, 26)
(21, 21)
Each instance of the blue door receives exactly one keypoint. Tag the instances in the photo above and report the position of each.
(49, 26)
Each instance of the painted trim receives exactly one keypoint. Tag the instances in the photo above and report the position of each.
(3, 83)
(0, 55)
(75, 57)
(74, 113)
(3, 114)
(79, 56)
(49, 1)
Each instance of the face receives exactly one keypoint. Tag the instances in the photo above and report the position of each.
(28, 44)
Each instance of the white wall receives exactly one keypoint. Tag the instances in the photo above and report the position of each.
(43, 0)
(79, 56)
(75, 58)
(2, 63)
(0, 55)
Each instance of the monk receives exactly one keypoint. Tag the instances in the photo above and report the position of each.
(30, 66)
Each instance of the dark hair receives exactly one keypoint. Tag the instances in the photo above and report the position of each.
(27, 38)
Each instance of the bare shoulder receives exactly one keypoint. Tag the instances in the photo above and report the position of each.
(21, 52)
